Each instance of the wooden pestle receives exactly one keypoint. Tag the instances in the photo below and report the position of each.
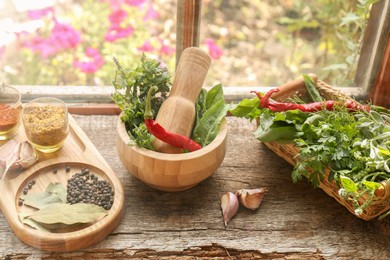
(177, 113)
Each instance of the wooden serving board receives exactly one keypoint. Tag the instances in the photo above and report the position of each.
(77, 153)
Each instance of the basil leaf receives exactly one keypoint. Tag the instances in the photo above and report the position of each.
(214, 95)
(207, 127)
(210, 110)
(245, 107)
(372, 185)
(282, 134)
(348, 184)
(200, 105)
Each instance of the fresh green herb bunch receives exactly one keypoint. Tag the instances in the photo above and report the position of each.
(131, 88)
(354, 146)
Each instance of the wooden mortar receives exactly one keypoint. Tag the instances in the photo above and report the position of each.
(177, 113)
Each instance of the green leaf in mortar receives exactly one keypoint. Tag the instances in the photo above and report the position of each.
(68, 214)
(214, 95)
(208, 126)
(200, 105)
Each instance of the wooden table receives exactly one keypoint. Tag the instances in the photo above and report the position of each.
(294, 221)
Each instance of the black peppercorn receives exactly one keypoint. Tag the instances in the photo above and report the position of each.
(87, 188)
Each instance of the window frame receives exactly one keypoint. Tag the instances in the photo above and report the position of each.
(374, 57)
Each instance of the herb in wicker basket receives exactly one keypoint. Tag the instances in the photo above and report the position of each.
(337, 144)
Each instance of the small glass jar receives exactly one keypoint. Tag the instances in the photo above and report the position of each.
(46, 123)
(10, 108)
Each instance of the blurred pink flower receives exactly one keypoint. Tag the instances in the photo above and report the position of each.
(116, 32)
(146, 47)
(214, 50)
(92, 52)
(93, 64)
(166, 49)
(117, 16)
(150, 14)
(134, 2)
(43, 46)
(63, 37)
(39, 13)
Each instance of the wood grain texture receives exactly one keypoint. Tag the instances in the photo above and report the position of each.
(380, 95)
(294, 221)
(188, 19)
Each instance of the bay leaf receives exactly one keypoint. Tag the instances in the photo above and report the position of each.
(57, 189)
(40, 200)
(68, 214)
(54, 193)
(23, 217)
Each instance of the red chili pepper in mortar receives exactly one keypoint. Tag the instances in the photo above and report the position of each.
(164, 135)
(266, 102)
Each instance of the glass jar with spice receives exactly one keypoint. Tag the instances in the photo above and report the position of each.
(46, 123)
(10, 108)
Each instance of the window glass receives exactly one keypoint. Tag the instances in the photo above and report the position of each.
(270, 42)
(74, 42)
(252, 43)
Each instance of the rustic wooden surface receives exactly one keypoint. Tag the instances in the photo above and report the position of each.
(294, 221)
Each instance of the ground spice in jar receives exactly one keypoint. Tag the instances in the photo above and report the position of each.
(9, 117)
(46, 125)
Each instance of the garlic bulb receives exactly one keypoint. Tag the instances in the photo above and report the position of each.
(229, 205)
(251, 198)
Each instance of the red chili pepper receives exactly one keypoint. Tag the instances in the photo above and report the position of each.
(266, 102)
(164, 135)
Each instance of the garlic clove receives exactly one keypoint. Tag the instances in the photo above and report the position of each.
(28, 156)
(20, 156)
(229, 205)
(10, 152)
(251, 198)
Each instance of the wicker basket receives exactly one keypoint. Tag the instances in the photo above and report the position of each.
(381, 202)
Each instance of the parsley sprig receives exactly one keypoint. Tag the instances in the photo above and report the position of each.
(354, 146)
